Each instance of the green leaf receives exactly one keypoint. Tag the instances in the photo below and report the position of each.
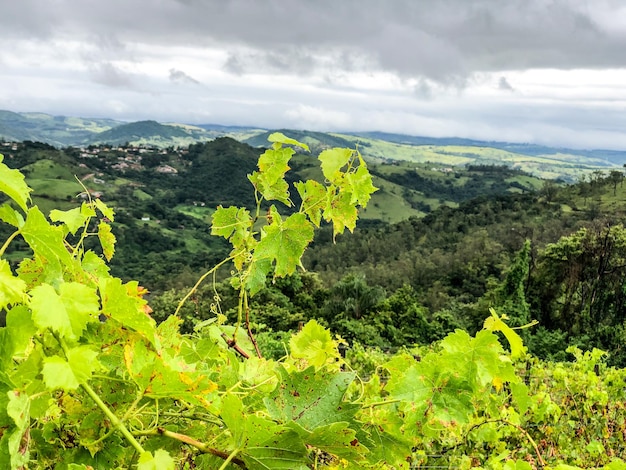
(273, 164)
(314, 196)
(314, 344)
(335, 438)
(161, 460)
(13, 185)
(341, 212)
(495, 323)
(311, 398)
(11, 216)
(66, 313)
(59, 373)
(124, 303)
(279, 137)
(12, 289)
(95, 265)
(259, 442)
(256, 275)
(271, 190)
(284, 242)
(18, 409)
(105, 210)
(46, 241)
(231, 223)
(360, 184)
(73, 218)
(20, 329)
(333, 160)
(107, 240)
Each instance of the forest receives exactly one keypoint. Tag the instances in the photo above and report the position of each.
(438, 340)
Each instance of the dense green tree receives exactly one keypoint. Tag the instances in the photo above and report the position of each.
(579, 286)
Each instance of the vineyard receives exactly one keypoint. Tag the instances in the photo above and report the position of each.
(90, 381)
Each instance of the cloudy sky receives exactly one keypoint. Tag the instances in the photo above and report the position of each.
(544, 71)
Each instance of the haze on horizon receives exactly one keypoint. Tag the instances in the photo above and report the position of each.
(542, 71)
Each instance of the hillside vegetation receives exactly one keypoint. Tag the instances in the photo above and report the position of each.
(435, 241)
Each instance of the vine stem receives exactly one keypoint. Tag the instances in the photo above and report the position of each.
(382, 403)
(520, 429)
(200, 281)
(103, 406)
(8, 242)
(250, 335)
(230, 458)
(202, 447)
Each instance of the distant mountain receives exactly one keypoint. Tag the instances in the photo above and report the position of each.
(545, 162)
(59, 131)
(62, 131)
(613, 156)
(148, 132)
(317, 141)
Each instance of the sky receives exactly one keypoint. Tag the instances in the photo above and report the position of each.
(539, 71)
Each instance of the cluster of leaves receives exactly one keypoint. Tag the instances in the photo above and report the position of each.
(89, 381)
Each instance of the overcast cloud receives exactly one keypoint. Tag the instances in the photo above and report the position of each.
(545, 71)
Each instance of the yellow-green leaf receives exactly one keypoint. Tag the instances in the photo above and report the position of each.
(333, 160)
(285, 242)
(12, 289)
(13, 185)
(107, 240)
(161, 460)
(280, 138)
(106, 210)
(73, 218)
(495, 323)
(67, 312)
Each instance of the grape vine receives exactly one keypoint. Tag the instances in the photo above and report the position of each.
(88, 380)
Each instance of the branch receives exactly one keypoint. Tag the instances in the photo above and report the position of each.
(205, 449)
(232, 343)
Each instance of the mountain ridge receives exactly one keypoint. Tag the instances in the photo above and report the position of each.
(546, 162)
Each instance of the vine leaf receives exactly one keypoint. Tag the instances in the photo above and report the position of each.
(341, 212)
(314, 344)
(284, 242)
(73, 218)
(107, 240)
(13, 185)
(313, 196)
(46, 241)
(11, 216)
(259, 442)
(231, 223)
(105, 210)
(280, 138)
(333, 160)
(18, 410)
(66, 313)
(59, 373)
(124, 303)
(19, 330)
(12, 289)
(360, 184)
(335, 438)
(311, 398)
(495, 323)
(161, 460)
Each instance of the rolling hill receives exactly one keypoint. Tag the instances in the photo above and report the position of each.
(546, 162)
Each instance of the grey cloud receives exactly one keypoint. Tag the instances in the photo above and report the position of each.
(109, 75)
(181, 77)
(441, 40)
(503, 84)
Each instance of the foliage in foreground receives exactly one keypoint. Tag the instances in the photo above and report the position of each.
(88, 380)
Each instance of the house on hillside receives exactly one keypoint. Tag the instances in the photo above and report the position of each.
(166, 169)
